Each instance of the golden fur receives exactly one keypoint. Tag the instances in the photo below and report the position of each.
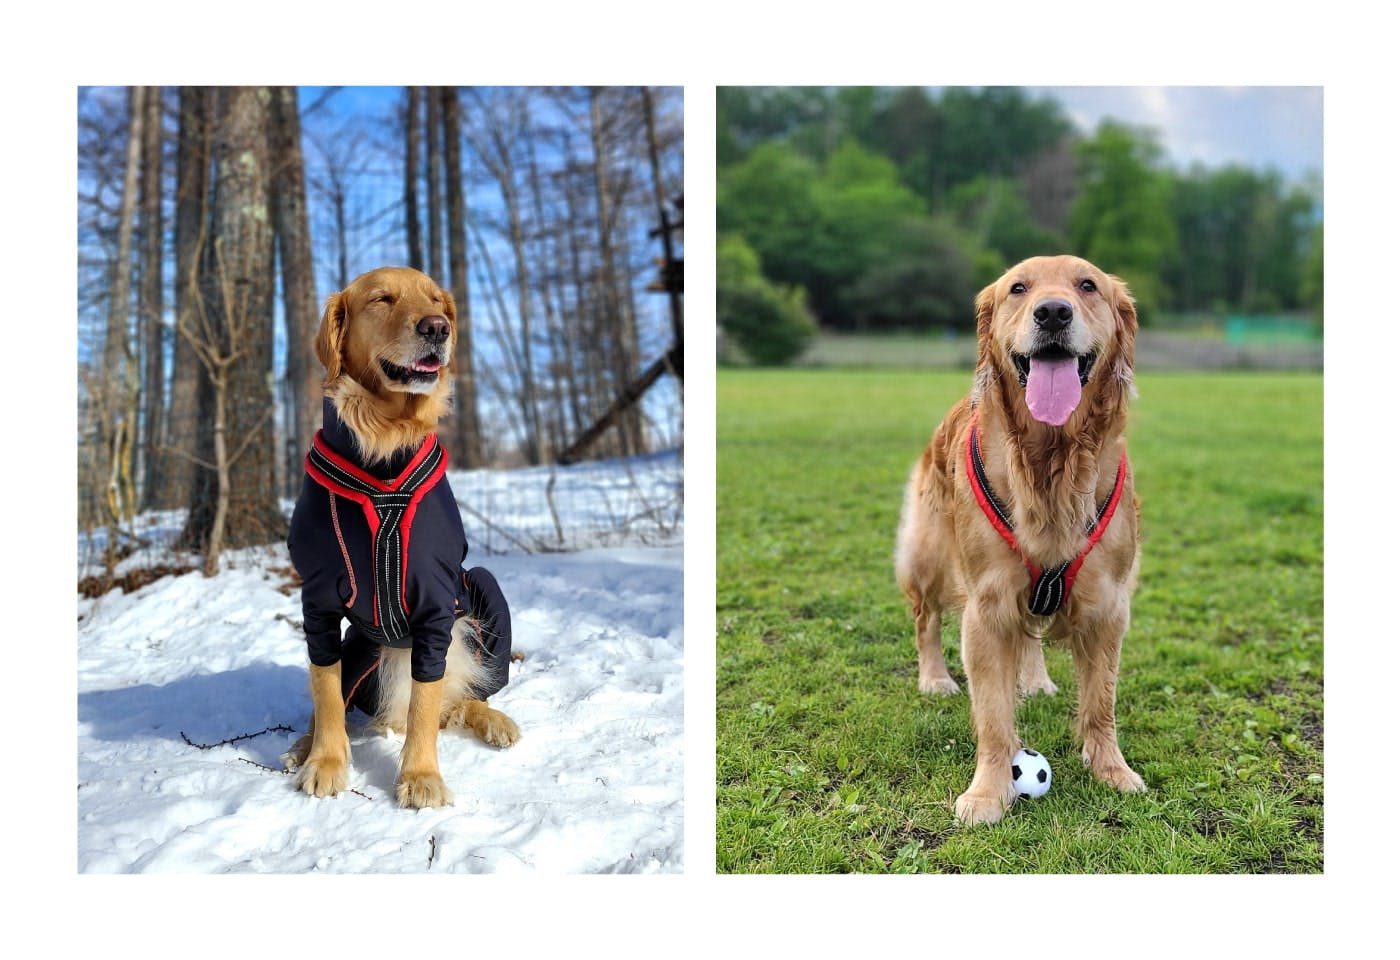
(372, 323)
(949, 556)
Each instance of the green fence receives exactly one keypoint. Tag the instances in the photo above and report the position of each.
(1243, 330)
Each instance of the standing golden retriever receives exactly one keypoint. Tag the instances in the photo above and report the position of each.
(1022, 513)
(427, 640)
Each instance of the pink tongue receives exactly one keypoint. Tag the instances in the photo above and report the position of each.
(1052, 389)
(427, 364)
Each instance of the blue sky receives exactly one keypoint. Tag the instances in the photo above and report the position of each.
(1278, 127)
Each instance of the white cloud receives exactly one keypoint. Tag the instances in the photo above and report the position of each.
(1278, 127)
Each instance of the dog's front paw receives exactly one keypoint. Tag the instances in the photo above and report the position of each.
(971, 808)
(422, 790)
(324, 776)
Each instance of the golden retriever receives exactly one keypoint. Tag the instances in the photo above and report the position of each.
(387, 344)
(1043, 427)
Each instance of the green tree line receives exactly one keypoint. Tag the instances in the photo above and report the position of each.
(876, 209)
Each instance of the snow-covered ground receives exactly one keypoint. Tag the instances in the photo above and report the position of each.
(594, 785)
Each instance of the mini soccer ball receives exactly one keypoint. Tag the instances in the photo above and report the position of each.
(1030, 774)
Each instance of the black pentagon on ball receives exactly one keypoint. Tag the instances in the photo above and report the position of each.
(1040, 775)
(1031, 753)
(1025, 796)
(1015, 772)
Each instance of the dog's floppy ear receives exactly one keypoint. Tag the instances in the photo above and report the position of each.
(1125, 315)
(986, 363)
(331, 337)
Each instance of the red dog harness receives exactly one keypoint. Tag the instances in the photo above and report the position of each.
(1049, 587)
(389, 507)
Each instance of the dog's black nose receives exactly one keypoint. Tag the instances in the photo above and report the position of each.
(1052, 315)
(434, 329)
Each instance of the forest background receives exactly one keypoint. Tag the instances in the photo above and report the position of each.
(213, 222)
(881, 210)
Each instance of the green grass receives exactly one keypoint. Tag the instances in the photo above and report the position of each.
(829, 760)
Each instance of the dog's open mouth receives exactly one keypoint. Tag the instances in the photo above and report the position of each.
(423, 370)
(1056, 353)
(1053, 379)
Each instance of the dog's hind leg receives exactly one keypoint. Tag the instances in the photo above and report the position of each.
(477, 662)
(492, 726)
(933, 670)
(1033, 677)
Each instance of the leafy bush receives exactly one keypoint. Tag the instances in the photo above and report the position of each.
(768, 323)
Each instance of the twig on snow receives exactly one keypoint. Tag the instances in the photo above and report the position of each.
(280, 728)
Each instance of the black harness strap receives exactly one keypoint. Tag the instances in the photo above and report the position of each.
(1049, 586)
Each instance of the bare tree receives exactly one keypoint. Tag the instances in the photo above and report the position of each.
(293, 232)
(433, 131)
(152, 297)
(218, 333)
(619, 313)
(410, 180)
(466, 423)
(120, 375)
(191, 209)
(332, 184)
(539, 204)
(500, 121)
(619, 318)
(231, 332)
(558, 376)
(672, 282)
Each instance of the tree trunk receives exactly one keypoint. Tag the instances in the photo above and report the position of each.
(152, 300)
(119, 363)
(623, 333)
(583, 382)
(410, 180)
(467, 426)
(218, 524)
(180, 479)
(342, 239)
(434, 210)
(557, 373)
(529, 406)
(668, 258)
(236, 332)
(291, 222)
(493, 135)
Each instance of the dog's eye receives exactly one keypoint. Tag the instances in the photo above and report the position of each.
(1088, 286)
(1018, 287)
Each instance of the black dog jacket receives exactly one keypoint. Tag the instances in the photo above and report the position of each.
(380, 544)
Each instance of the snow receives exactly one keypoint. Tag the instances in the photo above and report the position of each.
(168, 673)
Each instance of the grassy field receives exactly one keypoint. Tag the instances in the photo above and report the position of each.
(829, 760)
